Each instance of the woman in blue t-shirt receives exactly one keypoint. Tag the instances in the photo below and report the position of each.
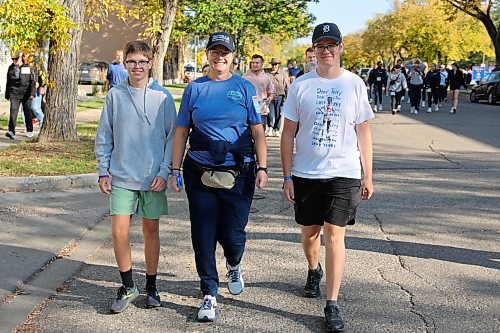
(218, 113)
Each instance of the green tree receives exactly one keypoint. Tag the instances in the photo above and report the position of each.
(248, 20)
(26, 25)
(487, 12)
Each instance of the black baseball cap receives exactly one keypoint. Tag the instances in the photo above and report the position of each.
(326, 30)
(221, 38)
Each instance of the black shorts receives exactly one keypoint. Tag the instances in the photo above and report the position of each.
(331, 200)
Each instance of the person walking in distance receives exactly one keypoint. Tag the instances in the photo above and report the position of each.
(20, 90)
(396, 87)
(403, 71)
(219, 114)
(323, 179)
(416, 81)
(310, 59)
(263, 86)
(133, 160)
(456, 79)
(432, 80)
(377, 79)
(443, 85)
(281, 83)
(116, 71)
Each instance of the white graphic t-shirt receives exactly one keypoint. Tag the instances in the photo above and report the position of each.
(327, 111)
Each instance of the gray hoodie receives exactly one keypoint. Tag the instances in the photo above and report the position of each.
(399, 82)
(135, 135)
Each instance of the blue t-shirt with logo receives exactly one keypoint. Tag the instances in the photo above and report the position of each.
(220, 110)
(116, 74)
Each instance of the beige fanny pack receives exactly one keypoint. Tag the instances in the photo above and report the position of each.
(223, 179)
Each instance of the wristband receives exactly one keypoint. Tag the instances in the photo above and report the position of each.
(262, 169)
(103, 176)
(285, 178)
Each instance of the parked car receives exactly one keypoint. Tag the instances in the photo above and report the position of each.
(92, 72)
(487, 89)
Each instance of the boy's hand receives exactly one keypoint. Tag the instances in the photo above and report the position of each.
(105, 185)
(366, 189)
(173, 183)
(288, 191)
(158, 184)
(261, 180)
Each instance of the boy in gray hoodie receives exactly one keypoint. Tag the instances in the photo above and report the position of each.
(133, 148)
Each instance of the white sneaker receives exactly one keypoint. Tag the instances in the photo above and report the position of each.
(10, 135)
(429, 110)
(235, 282)
(436, 108)
(415, 112)
(412, 110)
(453, 110)
(29, 134)
(268, 131)
(399, 107)
(402, 99)
(276, 133)
(208, 309)
(374, 108)
(380, 107)
(422, 103)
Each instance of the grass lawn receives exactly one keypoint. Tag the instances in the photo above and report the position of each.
(90, 103)
(57, 158)
(4, 122)
(176, 85)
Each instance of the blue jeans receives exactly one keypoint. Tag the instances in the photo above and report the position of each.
(36, 107)
(217, 215)
(274, 116)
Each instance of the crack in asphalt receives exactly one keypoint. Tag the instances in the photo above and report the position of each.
(443, 156)
(430, 325)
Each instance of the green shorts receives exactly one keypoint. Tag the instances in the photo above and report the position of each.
(147, 204)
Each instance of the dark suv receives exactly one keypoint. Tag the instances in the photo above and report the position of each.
(488, 88)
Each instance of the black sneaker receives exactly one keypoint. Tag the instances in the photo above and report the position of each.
(311, 289)
(333, 322)
(10, 135)
(153, 297)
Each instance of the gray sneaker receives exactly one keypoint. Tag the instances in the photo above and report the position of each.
(123, 298)
(153, 298)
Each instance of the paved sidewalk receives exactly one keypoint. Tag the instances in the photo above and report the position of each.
(422, 257)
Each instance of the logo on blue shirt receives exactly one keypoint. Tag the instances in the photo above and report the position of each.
(234, 95)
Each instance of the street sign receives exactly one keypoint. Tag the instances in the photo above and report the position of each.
(478, 72)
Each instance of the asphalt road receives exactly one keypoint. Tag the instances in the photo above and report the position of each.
(424, 255)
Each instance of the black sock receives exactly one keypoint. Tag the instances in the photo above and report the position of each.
(150, 280)
(127, 278)
(332, 303)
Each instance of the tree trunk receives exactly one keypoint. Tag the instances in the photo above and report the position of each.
(60, 117)
(173, 63)
(494, 34)
(160, 42)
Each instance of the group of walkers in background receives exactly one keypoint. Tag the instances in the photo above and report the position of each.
(427, 86)
(25, 87)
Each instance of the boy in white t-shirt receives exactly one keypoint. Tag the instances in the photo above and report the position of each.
(330, 108)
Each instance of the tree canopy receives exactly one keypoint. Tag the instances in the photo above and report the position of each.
(429, 30)
(25, 25)
(247, 20)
